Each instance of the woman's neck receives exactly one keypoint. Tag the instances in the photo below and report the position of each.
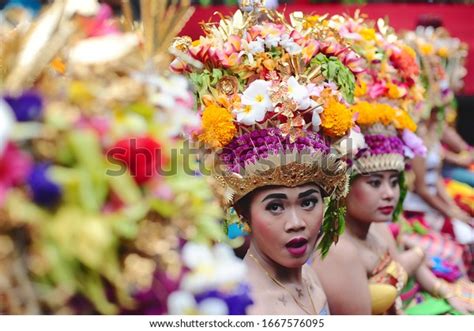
(357, 228)
(275, 270)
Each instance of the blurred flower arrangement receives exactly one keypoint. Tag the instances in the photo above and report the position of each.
(88, 221)
(431, 55)
(392, 75)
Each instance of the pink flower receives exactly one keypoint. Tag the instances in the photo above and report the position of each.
(376, 90)
(14, 168)
(102, 24)
(355, 63)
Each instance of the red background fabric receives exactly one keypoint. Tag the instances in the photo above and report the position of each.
(458, 19)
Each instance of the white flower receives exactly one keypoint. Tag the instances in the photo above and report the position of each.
(194, 254)
(250, 114)
(255, 103)
(272, 41)
(213, 306)
(257, 94)
(316, 119)
(256, 46)
(351, 144)
(181, 303)
(290, 45)
(211, 268)
(298, 93)
(7, 121)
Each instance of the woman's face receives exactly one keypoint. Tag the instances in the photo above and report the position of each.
(285, 223)
(373, 197)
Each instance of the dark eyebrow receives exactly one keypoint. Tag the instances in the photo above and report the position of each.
(306, 193)
(376, 175)
(275, 196)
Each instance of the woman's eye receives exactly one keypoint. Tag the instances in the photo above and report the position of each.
(274, 207)
(395, 183)
(375, 183)
(309, 203)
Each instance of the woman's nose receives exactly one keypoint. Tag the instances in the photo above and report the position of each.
(295, 222)
(388, 192)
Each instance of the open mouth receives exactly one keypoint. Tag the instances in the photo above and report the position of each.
(297, 246)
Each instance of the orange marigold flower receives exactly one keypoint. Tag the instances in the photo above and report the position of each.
(336, 118)
(366, 113)
(386, 113)
(403, 120)
(218, 127)
(361, 89)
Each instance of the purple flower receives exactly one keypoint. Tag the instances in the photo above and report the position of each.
(27, 106)
(379, 144)
(236, 301)
(414, 144)
(45, 192)
(260, 143)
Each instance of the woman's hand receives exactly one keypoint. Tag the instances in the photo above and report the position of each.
(460, 305)
(457, 213)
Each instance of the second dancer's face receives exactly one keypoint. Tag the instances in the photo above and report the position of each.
(373, 197)
(285, 223)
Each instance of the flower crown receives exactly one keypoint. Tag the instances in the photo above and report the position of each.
(386, 92)
(432, 58)
(392, 74)
(274, 98)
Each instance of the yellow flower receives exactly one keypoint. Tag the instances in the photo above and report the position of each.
(361, 89)
(409, 50)
(310, 21)
(403, 120)
(426, 49)
(218, 127)
(336, 118)
(370, 53)
(386, 113)
(366, 113)
(367, 33)
(443, 52)
(394, 92)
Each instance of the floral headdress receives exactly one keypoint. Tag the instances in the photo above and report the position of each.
(274, 99)
(97, 227)
(386, 94)
(432, 57)
(438, 49)
(387, 91)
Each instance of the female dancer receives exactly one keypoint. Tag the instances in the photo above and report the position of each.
(269, 117)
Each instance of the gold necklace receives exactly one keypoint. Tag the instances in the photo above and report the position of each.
(277, 282)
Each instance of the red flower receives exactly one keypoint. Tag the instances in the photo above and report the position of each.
(143, 157)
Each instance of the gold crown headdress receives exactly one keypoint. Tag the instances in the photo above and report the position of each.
(274, 98)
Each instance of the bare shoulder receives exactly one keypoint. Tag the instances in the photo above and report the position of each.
(344, 278)
(343, 252)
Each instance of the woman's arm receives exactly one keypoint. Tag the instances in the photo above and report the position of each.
(344, 280)
(421, 188)
(437, 287)
(410, 259)
(453, 140)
